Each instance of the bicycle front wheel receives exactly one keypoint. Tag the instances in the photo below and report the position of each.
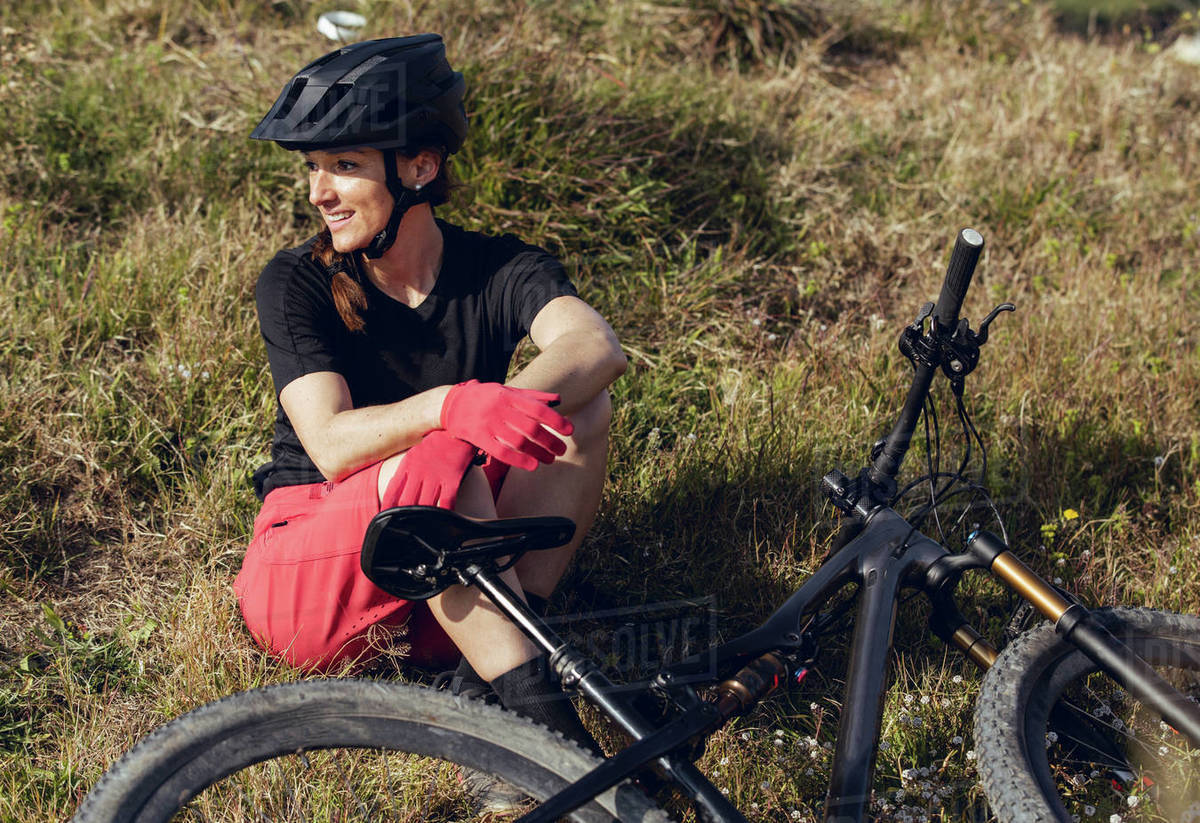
(1057, 740)
(346, 750)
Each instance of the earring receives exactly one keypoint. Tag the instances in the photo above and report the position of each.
(418, 186)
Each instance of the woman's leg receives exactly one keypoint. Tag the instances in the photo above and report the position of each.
(494, 649)
(571, 487)
(488, 639)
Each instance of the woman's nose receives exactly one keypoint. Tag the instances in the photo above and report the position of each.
(319, 189)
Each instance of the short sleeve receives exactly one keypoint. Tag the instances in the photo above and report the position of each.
(297, 318)
(530, 280)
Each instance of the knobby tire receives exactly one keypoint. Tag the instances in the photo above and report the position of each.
(1045, 718)
(315, 750)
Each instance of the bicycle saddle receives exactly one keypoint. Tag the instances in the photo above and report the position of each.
(415, 552)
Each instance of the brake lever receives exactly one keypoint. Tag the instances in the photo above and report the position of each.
(981, 336)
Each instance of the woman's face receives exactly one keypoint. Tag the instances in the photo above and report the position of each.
(348, 188)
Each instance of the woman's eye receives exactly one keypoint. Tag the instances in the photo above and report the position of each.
(346, 165)
(310, 165)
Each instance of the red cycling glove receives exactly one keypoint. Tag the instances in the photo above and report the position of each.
(430, 473)
(506, 422)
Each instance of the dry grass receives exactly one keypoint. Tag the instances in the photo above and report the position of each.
(757, 195)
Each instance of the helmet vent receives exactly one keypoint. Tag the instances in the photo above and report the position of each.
(293, 94)
(328, 102)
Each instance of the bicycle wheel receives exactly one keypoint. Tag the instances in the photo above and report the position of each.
(1057, 741)
(342, 750)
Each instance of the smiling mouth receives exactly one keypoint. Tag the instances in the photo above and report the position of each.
(338, 218)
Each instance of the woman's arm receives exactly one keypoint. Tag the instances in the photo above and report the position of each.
(579, 353)
(341, 439)
(579, 357)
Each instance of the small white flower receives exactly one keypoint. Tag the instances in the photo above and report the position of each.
(956, 740)
(1114, 818)
(779, 732)
(1133, 800)
(1173, 570)
(745, 735)
(772, 337)
(724, 761)
(1058, 581)
(1089, 811)
(809, 771)
(956, 679)
(924, 700)
(797, 814)
(884, 745)
(1085, 554)
(1159, 460)
(1051, 737)
(1060, 562)
(765, 786)
(970, 754)
(779, 742)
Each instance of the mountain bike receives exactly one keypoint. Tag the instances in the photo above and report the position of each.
(1074, 715)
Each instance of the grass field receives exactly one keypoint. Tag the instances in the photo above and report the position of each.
(757, 195)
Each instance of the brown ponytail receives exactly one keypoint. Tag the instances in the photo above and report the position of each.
(348, 294)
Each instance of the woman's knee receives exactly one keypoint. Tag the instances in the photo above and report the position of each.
(387, 470)
(475, 495)
(592, 421)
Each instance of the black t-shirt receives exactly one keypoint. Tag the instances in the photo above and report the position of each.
(482, 304)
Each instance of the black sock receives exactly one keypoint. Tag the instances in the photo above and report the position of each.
(465, 675)
(529, 690)
(467, 680)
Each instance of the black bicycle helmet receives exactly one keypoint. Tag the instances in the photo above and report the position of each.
(398, 92)
(395, 93)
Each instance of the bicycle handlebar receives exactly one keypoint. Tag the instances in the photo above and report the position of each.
(882, 472)
(967, 248)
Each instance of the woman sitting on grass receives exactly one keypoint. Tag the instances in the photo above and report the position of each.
(389, 337)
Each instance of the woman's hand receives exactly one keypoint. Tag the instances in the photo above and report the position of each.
(430, 473)
(506, 422)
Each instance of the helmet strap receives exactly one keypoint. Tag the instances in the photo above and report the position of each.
(403, 199)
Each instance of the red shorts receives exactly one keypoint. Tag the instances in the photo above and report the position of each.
(301, 588)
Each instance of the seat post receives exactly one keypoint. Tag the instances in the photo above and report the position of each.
(517, 610)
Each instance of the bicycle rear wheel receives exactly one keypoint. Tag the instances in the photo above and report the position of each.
(1056, 739)
(344, 750)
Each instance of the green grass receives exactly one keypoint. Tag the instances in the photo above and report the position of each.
(757, 195)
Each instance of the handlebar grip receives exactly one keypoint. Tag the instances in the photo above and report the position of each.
(967, 248)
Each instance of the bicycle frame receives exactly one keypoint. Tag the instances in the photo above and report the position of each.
(884, 558)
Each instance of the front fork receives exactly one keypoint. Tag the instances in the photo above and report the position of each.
(1071, 620)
